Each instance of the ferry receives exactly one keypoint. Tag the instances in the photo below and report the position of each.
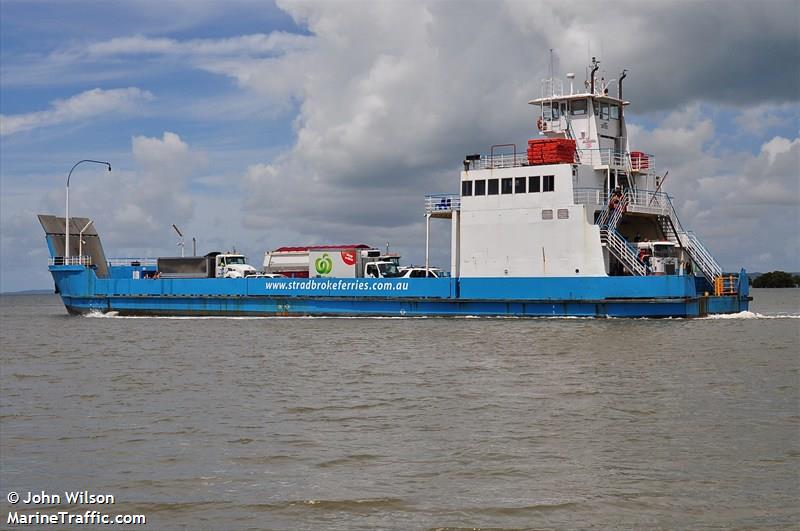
(573, 223)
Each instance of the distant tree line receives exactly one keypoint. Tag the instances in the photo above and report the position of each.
(777, 279)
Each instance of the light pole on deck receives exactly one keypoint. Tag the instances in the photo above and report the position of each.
(181, 243)
(80, 238)
(66, 219)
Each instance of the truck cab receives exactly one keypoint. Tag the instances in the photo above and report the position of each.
(381, 270)
(230, 265)
(661, 257)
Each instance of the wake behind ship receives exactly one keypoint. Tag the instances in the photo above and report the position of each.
(577, 224)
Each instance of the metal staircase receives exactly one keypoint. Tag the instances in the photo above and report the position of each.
(671, 227)
(622, 250)
(610, 217)
(702, 258)
(616, 244)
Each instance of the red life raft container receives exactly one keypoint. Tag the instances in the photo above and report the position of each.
(640, 161)
(551, 151)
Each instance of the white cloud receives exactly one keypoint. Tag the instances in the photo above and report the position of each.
(244, 45)
(134, 207)
(83, 106)
(758, 119)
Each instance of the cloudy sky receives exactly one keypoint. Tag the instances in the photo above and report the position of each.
(254, 125)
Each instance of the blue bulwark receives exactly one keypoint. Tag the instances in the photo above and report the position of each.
(577, 288)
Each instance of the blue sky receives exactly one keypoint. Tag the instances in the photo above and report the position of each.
(254, 125)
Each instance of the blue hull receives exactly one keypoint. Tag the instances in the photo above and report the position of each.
(657, 296)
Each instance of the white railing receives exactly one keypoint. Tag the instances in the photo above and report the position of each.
(442, 203)
(704, 260)
(589, 196)
(132, 261)
(623, 251)
(698, 252)
(616, 215)
(70, 260)
(643, 201)
(493, 162)
(649, 202)
(618, 160)
(552, 87)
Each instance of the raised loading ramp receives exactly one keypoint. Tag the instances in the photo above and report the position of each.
(54, 227)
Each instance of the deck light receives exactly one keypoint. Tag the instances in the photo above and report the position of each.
(80, 239)
(180, 243)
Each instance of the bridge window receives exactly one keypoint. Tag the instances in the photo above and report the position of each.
(466, 188)
(578, 107)
(563, 213)
(505, 186)
(493, 187)
(480, 187)
(604, 111)
(549, 183)
(615, 112)
(552, 112)
(519, 185)
(533, 183)
(547, 214)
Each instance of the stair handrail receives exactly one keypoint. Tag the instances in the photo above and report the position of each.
(623, 251)
(707, 262)
(697, 251)
(622, 206)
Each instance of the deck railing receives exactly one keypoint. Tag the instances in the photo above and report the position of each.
(494, 162)
(628, 162)
(132, 262)
(644, 201)
(442, 203)
(83, 260)
(615, 160)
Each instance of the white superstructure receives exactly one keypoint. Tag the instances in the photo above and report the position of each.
(521, 215)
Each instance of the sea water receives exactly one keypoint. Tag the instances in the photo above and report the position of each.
(326, 423)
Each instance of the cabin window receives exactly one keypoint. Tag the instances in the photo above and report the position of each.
(664, 251)
(372, 271)
(604, 111)
(466, 188)
(520, 185)
(615, 112)
(480, 187)
(549, 183)
(554, 111)
(506, 186)
(563, 213)
(578, 107)
(533, 183)
(547, 214)
(493, 187)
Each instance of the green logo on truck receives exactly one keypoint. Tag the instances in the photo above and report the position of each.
(323, 264)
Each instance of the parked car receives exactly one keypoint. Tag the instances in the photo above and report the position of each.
(419, 272)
